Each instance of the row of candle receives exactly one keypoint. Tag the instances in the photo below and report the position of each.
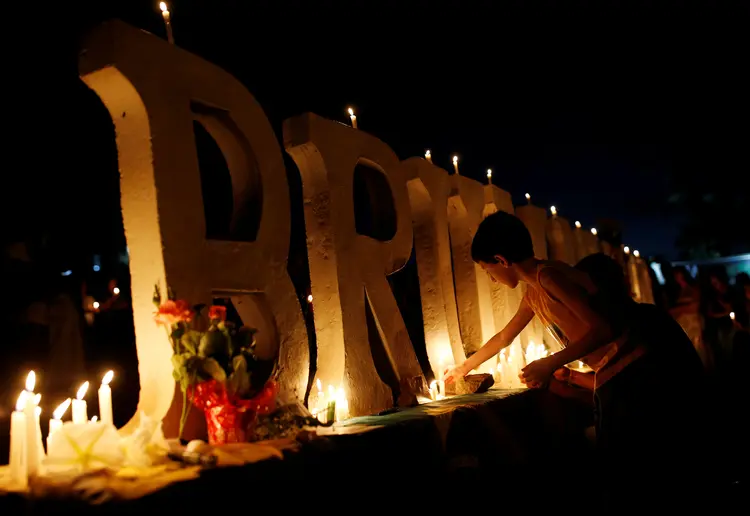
(26, 449)
(332, 407)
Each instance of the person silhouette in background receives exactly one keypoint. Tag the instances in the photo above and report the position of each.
(686, 311)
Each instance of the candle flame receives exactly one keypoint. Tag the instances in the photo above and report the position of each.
(108, 377)
(309, 298)
(95, 419)
(731, 315)
(594, 231)
(489, 173)
(626, 249)
(455, 159)
(636, 253)
(116, 291)
(21, 403)
(61, 409)
(351, 112)
(30, 381)
(96, 305)
(82, 391)
(578, 224)
(163, 6)
(553, 210)
(427, 153)
(580, 364)
(528, 196)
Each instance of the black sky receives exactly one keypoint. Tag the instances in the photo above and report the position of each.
(591, 106)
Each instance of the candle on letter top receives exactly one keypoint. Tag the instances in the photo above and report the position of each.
(105, 398)
(353, 117)
(80, 411)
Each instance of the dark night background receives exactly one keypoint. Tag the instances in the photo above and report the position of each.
(620, 110)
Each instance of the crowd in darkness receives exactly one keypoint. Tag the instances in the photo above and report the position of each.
(714, 310)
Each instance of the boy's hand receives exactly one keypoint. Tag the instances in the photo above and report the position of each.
(538, 372)
(562, 374)
(452, 374)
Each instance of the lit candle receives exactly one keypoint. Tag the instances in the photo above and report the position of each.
(732, 316)
(38, 430)
(636, 253)
(528, 198)
(167, 21)
(105, 398)
(626, 249)
(309, 298)
(56, 422)
(18, 470)
(489, 176)
(553, 211)
(116, 291)
(594, 231)
(433, 390)
(428, 155)
(331, 408)
(94, 419)
(80, 412)
(455, 164)
(29, 410)
(578, 224)
(353, 118)
(96, 305)
(342, 405)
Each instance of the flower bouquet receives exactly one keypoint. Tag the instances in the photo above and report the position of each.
(214, 369)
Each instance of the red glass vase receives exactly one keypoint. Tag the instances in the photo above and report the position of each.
(230, 419)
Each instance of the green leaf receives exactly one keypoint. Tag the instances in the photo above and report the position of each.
(239, 380)
(212, 368)
(190, 341)
(212, 343)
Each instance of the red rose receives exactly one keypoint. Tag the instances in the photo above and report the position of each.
(171, 312)
(217, 312)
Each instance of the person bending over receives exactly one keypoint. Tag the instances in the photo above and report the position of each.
(632, 417)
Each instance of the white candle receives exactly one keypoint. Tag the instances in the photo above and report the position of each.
(18, 470)
(428, 155)
(732, 316)
(528, 198)
(626, 250)
(38, 432)
(32, 450)
(455, 164)
(594, 231)
(56, 422)
(94, 419)
(342, 405)
(105, 398)
(167, 21)
(489, 176)
(353, 118)
(433, 390)
(80, 411)
(553, 211)
(578, 224)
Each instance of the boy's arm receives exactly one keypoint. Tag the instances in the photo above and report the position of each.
(492, 347)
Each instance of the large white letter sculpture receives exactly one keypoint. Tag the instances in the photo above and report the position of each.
(428, 197)
(154, 92)
(348, 269)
